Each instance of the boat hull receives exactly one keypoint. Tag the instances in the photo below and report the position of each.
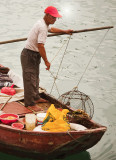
(42, 144)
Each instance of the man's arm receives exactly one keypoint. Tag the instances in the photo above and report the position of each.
(57, 30)
(43, 55)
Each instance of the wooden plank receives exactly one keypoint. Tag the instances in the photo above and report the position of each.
(18, 108)
(15, 108)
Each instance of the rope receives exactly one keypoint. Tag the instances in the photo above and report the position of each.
(52, 61)
(81, 140)
(58, 51)
(76, 87)
(91, 58)
(55, 82)
(60, 64)
(55, 77)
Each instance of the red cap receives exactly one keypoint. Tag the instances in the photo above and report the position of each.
(52, 11)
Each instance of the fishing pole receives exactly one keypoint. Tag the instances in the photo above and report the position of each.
(57, 34)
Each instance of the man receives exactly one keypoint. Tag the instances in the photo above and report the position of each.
(32, 53)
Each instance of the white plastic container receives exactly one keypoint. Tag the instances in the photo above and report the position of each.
(30, 120)
(41, 116)
(77, 127)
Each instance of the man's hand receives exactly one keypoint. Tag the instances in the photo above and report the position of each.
(69, 31)
(43, 55)
(47, 65)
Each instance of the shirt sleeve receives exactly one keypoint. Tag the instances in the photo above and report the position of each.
(42, 36)
(49, 28)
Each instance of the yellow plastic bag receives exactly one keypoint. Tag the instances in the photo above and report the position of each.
(55, 120)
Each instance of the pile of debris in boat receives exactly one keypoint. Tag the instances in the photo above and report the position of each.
(54, 120)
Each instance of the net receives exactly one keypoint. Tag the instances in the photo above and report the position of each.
(79, 101)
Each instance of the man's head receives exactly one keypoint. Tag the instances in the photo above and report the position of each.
(52, 11)
(51, 15)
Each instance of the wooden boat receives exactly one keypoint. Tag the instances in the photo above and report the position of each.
(47, 144)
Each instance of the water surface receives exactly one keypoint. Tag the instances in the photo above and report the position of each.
(99, 80)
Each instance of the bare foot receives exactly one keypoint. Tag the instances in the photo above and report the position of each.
(41, 100)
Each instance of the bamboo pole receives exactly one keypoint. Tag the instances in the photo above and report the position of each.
(57, 34)
(5, 103)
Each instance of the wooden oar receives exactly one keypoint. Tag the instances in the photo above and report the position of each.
(57, 34)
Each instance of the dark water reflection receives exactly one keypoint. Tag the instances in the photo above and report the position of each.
(80, 156)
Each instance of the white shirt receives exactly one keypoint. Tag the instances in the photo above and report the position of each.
(38, 34)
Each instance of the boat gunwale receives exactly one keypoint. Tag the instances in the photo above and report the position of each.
(87, 131)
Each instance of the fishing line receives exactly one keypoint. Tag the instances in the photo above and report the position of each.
(58, 51)
(52, 61)
(55, 77)
(75, 94)
(60, 64)
(55, 82)
(92, 57)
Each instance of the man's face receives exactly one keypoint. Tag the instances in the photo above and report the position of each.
(51, 19)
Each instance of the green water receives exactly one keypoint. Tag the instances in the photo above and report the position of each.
(99, 80)
(80, 156)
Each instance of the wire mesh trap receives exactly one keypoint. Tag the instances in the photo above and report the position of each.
(78, 100)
